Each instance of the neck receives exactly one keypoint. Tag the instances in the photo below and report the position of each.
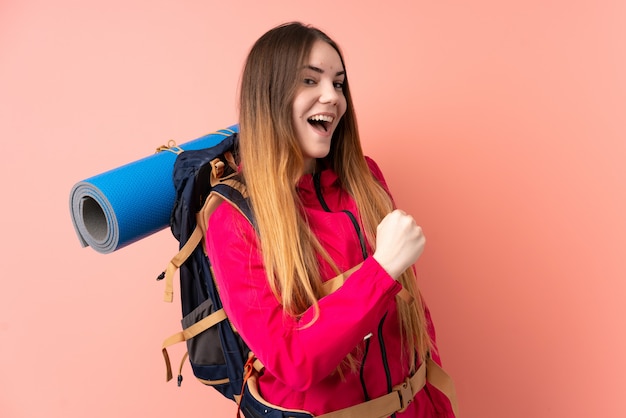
(310, 166)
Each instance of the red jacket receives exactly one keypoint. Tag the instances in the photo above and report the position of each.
(301, 363)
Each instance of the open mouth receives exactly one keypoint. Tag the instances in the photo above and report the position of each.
(321, 121)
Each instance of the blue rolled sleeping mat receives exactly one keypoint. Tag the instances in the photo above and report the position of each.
(118, 207)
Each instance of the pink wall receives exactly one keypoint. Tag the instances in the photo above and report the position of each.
(500, 126)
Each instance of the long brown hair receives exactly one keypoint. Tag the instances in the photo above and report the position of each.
(272, 163)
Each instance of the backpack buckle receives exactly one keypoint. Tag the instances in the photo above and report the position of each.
(405, 394)
(217, 167)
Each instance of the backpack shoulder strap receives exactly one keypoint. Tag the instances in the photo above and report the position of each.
(336, 282)
(232, 190)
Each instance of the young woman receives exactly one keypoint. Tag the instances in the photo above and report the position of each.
(320, 208)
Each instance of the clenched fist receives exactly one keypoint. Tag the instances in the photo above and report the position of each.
(399, 242)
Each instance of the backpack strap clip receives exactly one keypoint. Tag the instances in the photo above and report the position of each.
(219, 166)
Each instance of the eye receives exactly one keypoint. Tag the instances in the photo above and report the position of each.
(338, 85)
(309, 81)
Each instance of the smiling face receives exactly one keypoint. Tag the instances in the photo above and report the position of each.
(319, 102)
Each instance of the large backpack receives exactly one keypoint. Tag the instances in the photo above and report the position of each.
(203, 179)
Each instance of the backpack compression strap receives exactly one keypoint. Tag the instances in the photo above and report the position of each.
(194, 239)
(187, 334)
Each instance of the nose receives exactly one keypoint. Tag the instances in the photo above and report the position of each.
(329, 93)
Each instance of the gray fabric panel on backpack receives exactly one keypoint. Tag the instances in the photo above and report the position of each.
(205, 348)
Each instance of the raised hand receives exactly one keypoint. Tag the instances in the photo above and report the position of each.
(399, 242)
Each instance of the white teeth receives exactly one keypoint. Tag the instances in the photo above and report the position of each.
(322, 118)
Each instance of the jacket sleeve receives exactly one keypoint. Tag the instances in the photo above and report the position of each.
(300, 353)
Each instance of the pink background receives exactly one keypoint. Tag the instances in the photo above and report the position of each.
(500, 127)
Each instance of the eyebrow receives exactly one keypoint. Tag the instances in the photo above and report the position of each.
(319, 70)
